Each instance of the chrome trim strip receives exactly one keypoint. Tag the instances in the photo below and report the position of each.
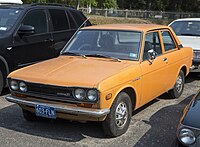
(60, 108)
(190, 127)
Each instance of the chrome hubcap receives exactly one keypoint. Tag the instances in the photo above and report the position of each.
(179, 84)
(121, 115)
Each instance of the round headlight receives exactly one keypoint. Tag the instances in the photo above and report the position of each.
(79, 94)
(187, 137)
(92, 95)
(22, 87)
(14, 85)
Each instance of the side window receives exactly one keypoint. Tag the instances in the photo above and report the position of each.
(168, 41)
(152, 41)
(59, 20)
(37, 19)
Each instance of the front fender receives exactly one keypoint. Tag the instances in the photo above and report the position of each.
(107, 103)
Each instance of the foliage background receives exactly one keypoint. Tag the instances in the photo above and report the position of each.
(158, 5)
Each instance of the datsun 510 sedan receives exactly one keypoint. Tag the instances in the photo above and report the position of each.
(188, 132)
(103, 74)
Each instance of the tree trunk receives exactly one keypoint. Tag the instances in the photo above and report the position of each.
(78, 4)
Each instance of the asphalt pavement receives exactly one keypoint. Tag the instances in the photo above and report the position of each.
(153, 125)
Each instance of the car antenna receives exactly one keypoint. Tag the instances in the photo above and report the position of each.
(75, 34)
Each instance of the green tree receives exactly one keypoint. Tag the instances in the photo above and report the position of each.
(158, 5)
(107, 3)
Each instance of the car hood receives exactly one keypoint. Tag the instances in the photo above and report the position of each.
(71, 71)
(190, 41)
(192, 116)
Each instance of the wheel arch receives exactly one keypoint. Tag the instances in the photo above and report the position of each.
(184, 69)
(131, 92)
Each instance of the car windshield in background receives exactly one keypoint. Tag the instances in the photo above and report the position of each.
(106, 43)
(186, 28)
(8, 18)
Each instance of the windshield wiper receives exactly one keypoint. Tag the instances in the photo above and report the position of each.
(190, 34)
(74, 54)
(104, 56)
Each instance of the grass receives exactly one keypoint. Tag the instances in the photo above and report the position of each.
(95, 19)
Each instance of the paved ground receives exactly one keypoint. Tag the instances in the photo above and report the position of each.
(152, 126)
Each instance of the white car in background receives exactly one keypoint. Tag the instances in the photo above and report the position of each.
(2, 2)
(188, 32)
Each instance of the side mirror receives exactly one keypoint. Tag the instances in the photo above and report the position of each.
(151, 54)
(26, 30)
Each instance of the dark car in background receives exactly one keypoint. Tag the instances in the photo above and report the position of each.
(188, 132)
(34, 32)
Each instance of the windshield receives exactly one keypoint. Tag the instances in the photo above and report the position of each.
(8, 18)
(107, 43)
(186, 28)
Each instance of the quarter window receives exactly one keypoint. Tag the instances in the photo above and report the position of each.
(71, 21)
(77, 17)
(152, 41)
(59, 20)
(37, 19)
(168, 41)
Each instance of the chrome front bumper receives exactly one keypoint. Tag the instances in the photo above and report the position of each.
(61, 108)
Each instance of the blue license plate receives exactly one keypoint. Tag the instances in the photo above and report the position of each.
(45, 111)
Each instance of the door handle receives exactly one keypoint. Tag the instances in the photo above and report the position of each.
(164, 59)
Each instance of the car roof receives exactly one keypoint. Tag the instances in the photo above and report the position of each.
(188, 19)
(130, 27)
(48, 5)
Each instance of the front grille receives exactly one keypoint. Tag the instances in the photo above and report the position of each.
(50, 92)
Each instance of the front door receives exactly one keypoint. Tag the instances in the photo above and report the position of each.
(28, 49)
(153, 72)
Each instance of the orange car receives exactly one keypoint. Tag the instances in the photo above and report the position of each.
(103, 74)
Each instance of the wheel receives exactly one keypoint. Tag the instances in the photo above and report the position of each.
(178, 87)
(118, 120)
(29, 116)
(1, 82)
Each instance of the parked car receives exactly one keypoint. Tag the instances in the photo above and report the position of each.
(188, 32)
(189, 127)
(103, 74)
(32, 33)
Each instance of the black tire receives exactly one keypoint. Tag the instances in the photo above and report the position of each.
(1, 82)
(178, 87)
(29, 116)
(110, 126)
